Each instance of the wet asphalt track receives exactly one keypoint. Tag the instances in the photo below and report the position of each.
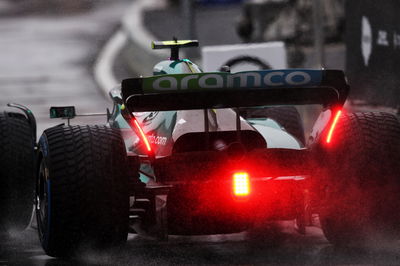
(46, 60)
(279, 245)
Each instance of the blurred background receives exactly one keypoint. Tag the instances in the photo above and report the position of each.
(50, 49)
(60, 53)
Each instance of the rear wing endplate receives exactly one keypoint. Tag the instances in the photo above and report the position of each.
(242, 89)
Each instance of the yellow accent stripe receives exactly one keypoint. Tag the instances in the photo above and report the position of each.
(180, 42)
(189, 64)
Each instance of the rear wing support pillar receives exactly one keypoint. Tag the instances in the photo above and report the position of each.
(238, 125)
(206, 128)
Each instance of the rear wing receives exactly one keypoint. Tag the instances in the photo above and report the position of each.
(174, 45)
(242, 89)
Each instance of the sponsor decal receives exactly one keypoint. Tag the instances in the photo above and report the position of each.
(158, 140)
(382, 38)
(240, 80)
(366, 39)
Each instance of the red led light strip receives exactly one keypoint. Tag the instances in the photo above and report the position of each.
(241, 184)
(335, 120)
(143, 136)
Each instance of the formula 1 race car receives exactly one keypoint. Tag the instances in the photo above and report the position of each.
(188, 152)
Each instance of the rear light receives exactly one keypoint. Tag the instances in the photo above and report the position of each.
(332, 128)
(142, 136)
(241, 184)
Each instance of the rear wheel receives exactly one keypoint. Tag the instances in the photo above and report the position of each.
(361, 186)
(16, 171)
(286, 116)
(82, 189)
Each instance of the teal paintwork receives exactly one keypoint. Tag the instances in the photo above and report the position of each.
(162, 128)
(175, 67)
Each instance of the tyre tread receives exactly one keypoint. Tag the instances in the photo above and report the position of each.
(88, 173)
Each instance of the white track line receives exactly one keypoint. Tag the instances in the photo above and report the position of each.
(132, 23)
(133, 30)
(103, 67)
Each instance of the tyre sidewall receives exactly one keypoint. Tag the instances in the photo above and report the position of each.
(16, 171)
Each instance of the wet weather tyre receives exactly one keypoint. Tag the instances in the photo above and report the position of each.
(286, 116)
(16, 171)
(82, 189)
(360, 189)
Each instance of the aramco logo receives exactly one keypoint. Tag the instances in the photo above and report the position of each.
(251, 79)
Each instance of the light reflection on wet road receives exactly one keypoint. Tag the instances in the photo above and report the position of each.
(284, 246)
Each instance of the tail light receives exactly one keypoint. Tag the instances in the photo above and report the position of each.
(333, 125)
(241, 184)
(142, 136)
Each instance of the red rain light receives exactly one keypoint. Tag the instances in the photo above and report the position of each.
(143, 136)
(335, 120)
(241, 184)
